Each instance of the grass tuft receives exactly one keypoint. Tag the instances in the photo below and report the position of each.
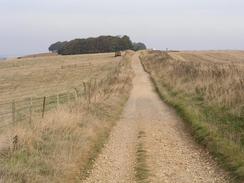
(141, 168)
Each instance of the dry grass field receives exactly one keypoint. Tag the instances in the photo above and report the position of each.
(207, 89)
(210, 56)
(62, 146)
(216, 76)
(49, 75)
(28, 80)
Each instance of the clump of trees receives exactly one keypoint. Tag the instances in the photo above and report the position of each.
(139, 46)
(57, 46)
(100, 44)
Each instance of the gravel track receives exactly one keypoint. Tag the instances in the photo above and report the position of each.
(172, 155)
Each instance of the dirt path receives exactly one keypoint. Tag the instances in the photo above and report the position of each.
(172, 156)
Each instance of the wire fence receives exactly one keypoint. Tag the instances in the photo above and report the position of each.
(28, 108)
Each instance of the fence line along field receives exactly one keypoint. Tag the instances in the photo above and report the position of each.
(63, 145)
(35, 85)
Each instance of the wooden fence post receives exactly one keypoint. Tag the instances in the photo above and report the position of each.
(84, 84)
(95, 90)
(89, 93)
(57, 97)
(43, 106)
(15, 142)
(76, 93)
(30, 110)
(90, 67)
(13, 111)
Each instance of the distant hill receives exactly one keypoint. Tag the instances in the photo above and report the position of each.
(3, 58)
(39, 55)
(101, 44)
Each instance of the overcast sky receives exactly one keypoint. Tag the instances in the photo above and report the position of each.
(30, 26)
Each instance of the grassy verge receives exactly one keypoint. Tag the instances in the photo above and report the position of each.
(63, 146)
(212, 126)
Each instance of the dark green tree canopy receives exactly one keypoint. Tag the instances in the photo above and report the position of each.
(139, 46)
(56, 46)
(99, 44)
